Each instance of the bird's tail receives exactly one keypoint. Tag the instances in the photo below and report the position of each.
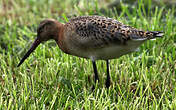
(142, 36)
(154, 34)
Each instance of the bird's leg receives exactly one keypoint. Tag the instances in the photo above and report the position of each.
(108, 80)
(95, 73)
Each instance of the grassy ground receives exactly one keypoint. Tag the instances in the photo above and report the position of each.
(50, 79)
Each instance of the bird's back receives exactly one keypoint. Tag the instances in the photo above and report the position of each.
(101, 35)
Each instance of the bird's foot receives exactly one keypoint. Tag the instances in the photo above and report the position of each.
(108, 83)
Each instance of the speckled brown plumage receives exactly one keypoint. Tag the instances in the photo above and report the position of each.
(106, 29)
(92, 37)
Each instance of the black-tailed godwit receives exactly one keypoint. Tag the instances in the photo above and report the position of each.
(92, 37)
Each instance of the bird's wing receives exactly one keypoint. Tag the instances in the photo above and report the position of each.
(98, 32)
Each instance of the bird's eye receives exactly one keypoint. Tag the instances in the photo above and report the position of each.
(40, 29)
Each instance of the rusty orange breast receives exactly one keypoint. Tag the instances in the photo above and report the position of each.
(61, 40)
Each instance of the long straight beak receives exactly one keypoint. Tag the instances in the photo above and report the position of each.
(33, 47)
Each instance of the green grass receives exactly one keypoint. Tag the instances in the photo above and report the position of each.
(50, 79)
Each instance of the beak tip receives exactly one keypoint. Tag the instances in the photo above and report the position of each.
(33, 47)
(18, 64)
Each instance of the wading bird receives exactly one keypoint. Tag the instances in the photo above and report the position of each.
(92, 37)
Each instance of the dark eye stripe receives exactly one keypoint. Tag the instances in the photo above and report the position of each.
(43, 26)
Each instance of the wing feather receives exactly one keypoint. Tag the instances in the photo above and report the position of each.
(99, 32)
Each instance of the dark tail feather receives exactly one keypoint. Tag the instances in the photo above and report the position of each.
(147, 35)
(154, 34)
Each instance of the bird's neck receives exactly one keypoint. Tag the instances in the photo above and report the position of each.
(60, 40)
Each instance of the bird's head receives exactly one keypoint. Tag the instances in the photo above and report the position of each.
(47, 29)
